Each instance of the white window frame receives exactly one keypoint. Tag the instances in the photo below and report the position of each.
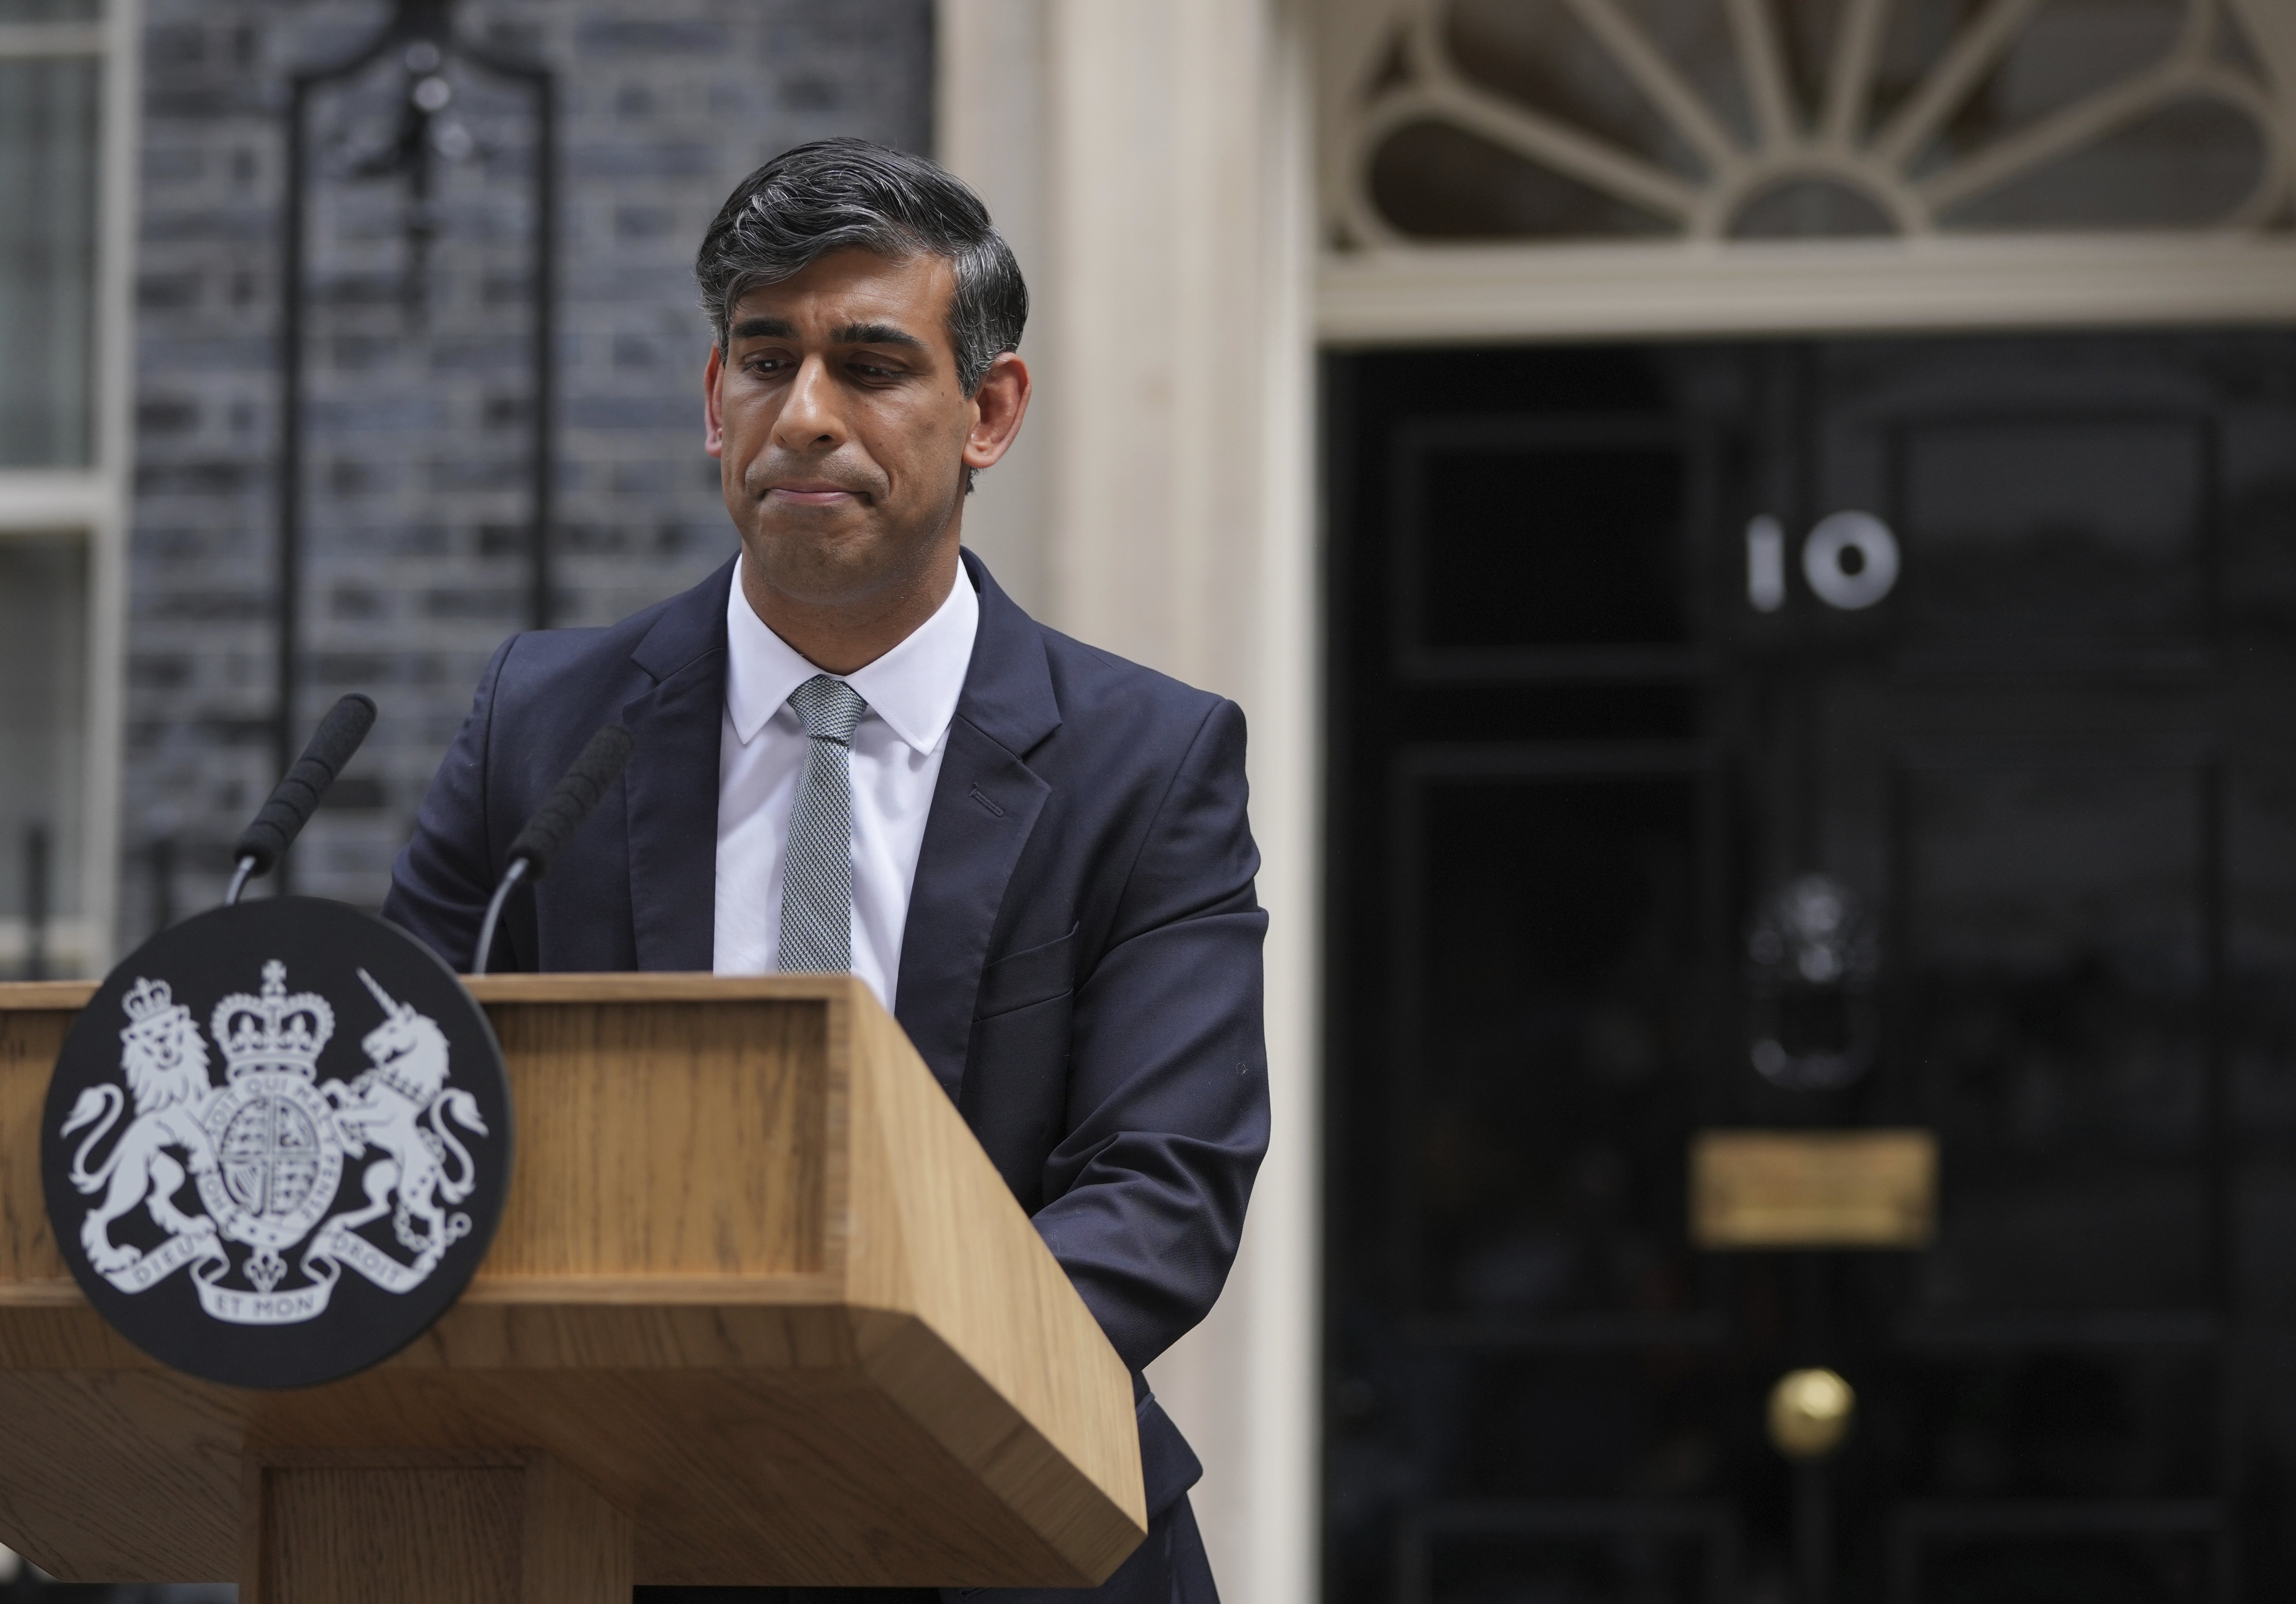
(96, 502)
(1394, 290)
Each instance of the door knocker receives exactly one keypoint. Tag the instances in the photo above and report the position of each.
(1812, 961)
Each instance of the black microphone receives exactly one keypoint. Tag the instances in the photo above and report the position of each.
(297, 795)
(553, 823)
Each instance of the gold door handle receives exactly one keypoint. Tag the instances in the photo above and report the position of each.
(1810, 1413)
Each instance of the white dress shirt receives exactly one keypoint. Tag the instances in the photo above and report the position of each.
(896, 751)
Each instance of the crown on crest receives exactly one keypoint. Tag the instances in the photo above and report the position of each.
(153, 1014)
(148, 999)
(273, 1030)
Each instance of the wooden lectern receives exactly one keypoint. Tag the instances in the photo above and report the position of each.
(760, 1312)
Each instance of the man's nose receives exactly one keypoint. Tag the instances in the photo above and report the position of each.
(810, 420)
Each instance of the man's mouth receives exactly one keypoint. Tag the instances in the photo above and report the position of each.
(811, 492)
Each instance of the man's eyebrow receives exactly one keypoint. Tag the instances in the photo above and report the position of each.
(874, 333)
(852, 334)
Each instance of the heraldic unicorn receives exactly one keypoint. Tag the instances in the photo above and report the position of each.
(266, 1150)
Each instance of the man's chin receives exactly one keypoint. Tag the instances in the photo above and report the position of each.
(827, 565)
(814, 534)
(811, 532)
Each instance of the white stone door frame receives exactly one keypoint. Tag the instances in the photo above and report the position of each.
(1149, 160)
(1478, 295)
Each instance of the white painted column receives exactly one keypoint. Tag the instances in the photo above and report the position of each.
(992, 77)
(1150, 160)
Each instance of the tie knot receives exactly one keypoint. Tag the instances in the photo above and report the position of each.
(829, 708)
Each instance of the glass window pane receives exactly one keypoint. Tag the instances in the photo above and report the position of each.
(43, 753)
(51, 11)
(48, 130)
(1524, 119)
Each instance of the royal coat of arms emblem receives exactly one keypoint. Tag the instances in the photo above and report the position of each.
(222, 1152)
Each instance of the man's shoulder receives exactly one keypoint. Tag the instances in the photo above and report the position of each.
(1119, 718)
(1092, 680)
(1081, 709)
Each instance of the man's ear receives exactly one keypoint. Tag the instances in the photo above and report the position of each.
(713, 429)
(998, 405)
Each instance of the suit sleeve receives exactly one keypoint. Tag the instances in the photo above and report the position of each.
(443, 875)
(1168, 1115)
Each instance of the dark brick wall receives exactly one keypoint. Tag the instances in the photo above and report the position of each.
(418, 405)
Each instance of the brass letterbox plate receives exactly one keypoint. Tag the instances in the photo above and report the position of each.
(1813, 1189)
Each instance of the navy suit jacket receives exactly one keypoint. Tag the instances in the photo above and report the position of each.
(1081, 966)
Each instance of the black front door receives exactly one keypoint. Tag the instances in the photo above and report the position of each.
(1813, 739)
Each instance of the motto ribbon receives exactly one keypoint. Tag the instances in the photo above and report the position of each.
(288, 1308)
(199, 1242)
(333, 1248)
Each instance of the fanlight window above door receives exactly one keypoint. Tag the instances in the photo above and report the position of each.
(1532, 120)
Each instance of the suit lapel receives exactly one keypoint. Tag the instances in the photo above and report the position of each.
(672, 787)
(985, 804)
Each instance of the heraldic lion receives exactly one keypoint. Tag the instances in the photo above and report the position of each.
(165, 1060)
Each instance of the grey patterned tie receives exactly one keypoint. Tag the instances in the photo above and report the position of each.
(818, 870)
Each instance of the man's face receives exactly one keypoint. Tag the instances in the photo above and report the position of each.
(842, 436)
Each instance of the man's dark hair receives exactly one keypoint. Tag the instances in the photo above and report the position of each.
(835, 194)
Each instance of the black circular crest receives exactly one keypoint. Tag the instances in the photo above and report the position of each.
(276, 1143)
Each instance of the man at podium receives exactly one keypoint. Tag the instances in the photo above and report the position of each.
(855, 752)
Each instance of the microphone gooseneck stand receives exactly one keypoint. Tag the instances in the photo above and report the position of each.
(297, 795)
(553, 823)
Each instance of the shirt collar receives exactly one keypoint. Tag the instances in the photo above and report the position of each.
(914, 687)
